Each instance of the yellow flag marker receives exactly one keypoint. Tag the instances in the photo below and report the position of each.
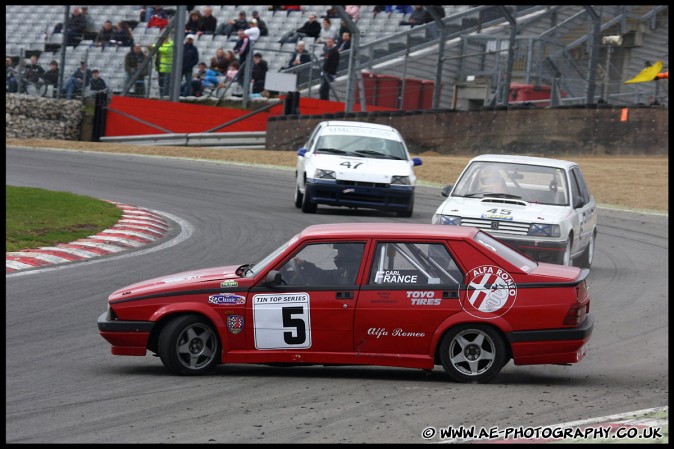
(647, 74)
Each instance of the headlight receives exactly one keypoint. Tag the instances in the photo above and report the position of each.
(401, 180)
(446, 220)
(324, 174)
(544, 230)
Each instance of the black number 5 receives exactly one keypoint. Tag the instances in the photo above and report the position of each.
(289, 321)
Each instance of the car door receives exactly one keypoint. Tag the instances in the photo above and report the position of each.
(411, 288)
(585, 218)
(314, 306)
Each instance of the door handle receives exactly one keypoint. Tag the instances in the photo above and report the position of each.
(344, 295)
(450, 295)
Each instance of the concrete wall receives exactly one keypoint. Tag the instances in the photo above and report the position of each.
(559, 131)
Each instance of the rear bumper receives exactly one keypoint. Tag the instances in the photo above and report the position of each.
(551, 346)
(396, 198)
(126, 337)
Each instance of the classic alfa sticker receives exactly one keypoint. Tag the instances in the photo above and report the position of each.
(490, 293)
(235, 324)
(227, 298)
(282, 321)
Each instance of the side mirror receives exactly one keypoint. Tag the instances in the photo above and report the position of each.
(273, 278)
(446, 190)
(416, 161)
(578, 203)
(301, 152)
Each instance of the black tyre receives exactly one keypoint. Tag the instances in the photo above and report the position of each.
(298, 197)
(566, 257)
(407, 213)
(189, 346)
(585, 260)
(308, 206)
(472, 353)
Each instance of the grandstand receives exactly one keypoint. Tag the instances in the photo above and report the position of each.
(552, 46)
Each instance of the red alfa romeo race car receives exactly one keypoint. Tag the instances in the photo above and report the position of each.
(404, 295)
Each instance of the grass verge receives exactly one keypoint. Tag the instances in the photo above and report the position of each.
(37, 217)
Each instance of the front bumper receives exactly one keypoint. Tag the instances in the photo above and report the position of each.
(126, 337)
(383, 197)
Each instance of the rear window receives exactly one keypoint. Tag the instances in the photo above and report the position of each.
(519, 260)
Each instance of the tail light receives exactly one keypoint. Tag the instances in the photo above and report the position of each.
(577, 312)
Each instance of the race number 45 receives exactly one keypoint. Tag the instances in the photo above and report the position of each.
(282, 321)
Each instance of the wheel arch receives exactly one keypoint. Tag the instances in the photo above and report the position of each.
(166, 314)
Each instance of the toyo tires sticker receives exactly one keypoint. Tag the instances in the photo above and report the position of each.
(490, 292)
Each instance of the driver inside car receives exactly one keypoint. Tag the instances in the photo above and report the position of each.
(491, 181)
(346, 260)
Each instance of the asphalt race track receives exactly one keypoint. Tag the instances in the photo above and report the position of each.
(64, 386)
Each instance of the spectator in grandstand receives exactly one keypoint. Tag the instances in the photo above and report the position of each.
(389, 9)
(105, 35)
(11, 83)
(311, 28)
(439, 10)
(190, 57)
(353, 11)
(419, 16)
(242, 47)
(132, 62)
(233, 25)
(327, 31)
(330, 64)
(221, 61)
(331, 13)
(345, 43)
(51, 76)
(76, 25)
(163, 64)
(253, 32)
(98, 84)
(80, 79)
(158, 17)
(300, 56)
(233, 70)
(123, 36)
(209, 23)
(261, 24)
(91, 25)
(193, 22)
(33, 71)
(260, 69)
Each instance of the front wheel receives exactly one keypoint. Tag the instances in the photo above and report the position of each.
(585, 260)
(407, 213)
(566, 258)
(472, 353)
(308, 207)
(298, 197)
(189, 346)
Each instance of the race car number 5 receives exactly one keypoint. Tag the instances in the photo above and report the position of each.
(282, 321)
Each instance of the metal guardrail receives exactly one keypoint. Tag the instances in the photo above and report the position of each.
(244, 140)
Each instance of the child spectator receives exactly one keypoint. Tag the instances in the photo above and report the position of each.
(51, 76)
(260, 69)
(98, 84)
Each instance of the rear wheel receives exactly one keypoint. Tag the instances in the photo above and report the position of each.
(189, 346)
(472, 353)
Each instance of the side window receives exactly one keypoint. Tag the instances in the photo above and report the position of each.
(582, 186)
(402, 263)
(575, 191)
(322, 264)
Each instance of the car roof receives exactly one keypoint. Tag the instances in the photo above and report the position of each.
(530, 160)
(358, 124)
(388, 230)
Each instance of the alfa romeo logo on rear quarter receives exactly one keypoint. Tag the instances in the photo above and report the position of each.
(490, 292)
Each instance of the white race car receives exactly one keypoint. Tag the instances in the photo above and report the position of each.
(540, 206)
(355, 164)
